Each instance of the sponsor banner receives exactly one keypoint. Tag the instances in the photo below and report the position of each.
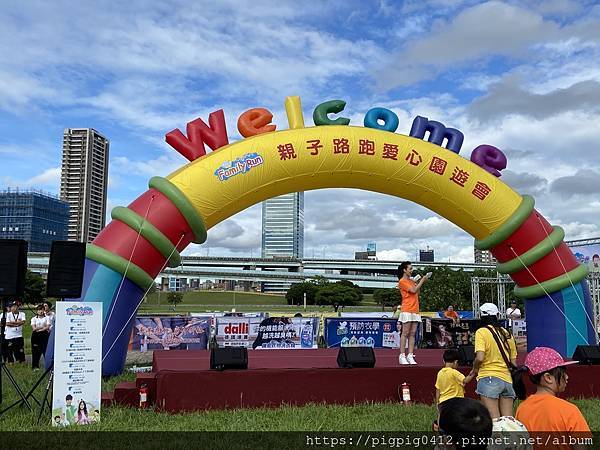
(169, 332)
(366, 332)
(519, 331)
(286, 332)
(587, 254)
(77, 363)
(444, 333)
(237, 331)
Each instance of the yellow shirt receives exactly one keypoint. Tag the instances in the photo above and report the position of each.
(450, 384)
(493, 364)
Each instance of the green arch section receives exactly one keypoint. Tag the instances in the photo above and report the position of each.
(118, 264)
(553, 285)
(184, 206)
(149, 232)
(534, 254)
(508, 227)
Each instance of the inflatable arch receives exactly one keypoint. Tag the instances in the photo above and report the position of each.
(148, 235)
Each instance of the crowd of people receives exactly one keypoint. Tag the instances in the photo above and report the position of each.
(13, 348)
(499, 381)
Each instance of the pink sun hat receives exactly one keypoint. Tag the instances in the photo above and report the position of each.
(543, 359)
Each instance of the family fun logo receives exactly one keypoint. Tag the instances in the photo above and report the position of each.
(80, 311)
(241, 165)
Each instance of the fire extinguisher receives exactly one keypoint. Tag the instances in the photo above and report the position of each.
(405, 393)
(143, 396)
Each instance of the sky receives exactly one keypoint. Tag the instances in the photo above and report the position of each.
(522, 76)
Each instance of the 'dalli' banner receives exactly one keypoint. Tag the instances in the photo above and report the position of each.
(175, 333)
(287, 333)
(237, 331)
(77, 363)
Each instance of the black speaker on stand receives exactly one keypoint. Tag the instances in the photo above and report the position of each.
(587, 355)
(226, 358)
(13, 267)
(351, 357)
(466, 355)
(65, 271)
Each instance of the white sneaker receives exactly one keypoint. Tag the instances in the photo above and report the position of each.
(402, 360)
(411, 359)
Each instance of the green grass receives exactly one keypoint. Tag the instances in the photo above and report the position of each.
(361, 417)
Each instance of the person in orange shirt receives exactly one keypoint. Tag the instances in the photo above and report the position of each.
(409, 317)
(544, 412)
(451, 314)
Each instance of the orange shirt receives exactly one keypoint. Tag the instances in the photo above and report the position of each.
(451, 315)
(410, 300)
(547, 413)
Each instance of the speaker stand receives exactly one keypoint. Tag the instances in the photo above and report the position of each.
(4, 370)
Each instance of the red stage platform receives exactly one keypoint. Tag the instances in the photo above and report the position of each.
(181, 380)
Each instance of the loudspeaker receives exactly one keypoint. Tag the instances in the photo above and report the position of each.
(13, 266)
(350, 357)
(229, 358)
(65, 271)
(587, 354)
(466, 355)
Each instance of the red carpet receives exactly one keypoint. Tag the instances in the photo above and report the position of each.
(181, 380)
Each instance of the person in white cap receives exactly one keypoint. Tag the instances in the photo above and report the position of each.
(494, 345)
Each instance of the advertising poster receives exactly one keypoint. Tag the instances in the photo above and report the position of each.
(287, 332)
(444, 333)
(165, 332)
(588, 254)
(366, 332)
(77, 363)
(237, 331)
(519, 331)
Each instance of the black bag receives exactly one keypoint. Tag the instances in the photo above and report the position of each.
(515, 372)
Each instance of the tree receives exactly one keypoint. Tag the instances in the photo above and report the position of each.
(387, 297)
(336, 293)
(34, 288)
(174, 298)
(295, 294)
(353, 286)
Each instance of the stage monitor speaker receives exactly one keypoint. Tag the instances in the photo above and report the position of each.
(65, 270)
(351, 357)
(13, 267)
(587, 354)
(466, 355)
(229, 358)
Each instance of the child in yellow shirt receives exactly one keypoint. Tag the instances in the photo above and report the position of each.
(450, 383)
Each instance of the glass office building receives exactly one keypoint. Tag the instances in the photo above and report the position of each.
(34, 216)
(282, 231)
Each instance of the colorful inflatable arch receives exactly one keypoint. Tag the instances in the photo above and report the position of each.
(149, 234)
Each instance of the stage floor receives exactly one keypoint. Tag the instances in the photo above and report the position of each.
(181, 380)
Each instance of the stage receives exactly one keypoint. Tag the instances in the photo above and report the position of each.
(182, 381)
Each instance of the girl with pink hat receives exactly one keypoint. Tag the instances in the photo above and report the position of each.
(544, 411)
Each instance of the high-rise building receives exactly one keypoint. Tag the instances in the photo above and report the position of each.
(282, 231)
(283, 226)
(84, 180)
(483, 256)
(34, 216)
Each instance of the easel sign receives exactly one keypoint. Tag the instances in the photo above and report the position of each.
(77, 363)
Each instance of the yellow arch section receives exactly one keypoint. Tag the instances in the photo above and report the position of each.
(347, 157)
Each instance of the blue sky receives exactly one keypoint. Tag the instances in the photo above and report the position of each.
(523, 76)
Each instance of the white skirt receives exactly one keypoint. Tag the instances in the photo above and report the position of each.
(409, 317)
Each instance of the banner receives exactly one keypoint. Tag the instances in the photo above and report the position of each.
(444, 333)
(349, 332)
(168, 332)
(237, 331)
(77, 363)
(287, 332)
(587, 254)
(519, 331)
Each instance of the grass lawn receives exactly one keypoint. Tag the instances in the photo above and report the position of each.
(362, 417)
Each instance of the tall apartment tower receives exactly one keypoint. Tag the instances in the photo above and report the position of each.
(83, 181)
(282, 232)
